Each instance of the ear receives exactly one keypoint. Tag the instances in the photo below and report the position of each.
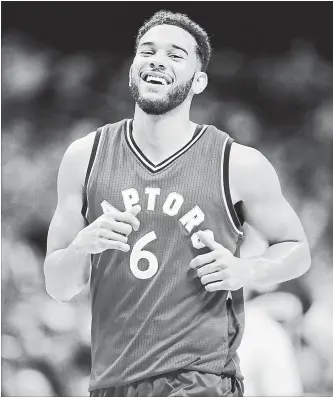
(200, 82)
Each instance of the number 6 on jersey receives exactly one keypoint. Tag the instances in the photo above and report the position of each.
(137, 254)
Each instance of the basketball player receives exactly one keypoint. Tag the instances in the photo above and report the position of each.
(158, 228)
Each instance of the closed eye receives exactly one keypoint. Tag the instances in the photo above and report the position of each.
(176, 56)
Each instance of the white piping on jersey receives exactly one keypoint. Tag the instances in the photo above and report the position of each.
(232, 223)
(92, 168)
(155, 168)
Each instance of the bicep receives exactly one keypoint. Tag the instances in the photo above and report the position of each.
(264, 206)
(67, 220)
(274, 218)
(66, 223)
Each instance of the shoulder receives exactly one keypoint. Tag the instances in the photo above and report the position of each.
(76, 158)
(242, 157)
(251, 172)
(213, 130)
(81, 146)
(80, 149)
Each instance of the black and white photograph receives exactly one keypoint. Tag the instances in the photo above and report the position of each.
(167, 199)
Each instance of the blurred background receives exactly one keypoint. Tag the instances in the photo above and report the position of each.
(64, 73)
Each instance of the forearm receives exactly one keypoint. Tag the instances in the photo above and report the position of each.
(66, 272)
(281, 262)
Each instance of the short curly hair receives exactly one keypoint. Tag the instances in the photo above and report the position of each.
(163, 17)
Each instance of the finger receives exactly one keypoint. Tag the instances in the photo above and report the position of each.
(126, 217)
(110, 235)
(114, 226)
(135, 210)
(114, 245)
(218, 286)
(211, 243)
(107, 207)
(211, 268)
(208, 241)
(201, 260)
(213, 277)
(121, 227)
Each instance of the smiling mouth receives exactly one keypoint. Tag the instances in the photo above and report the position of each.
(155, 80)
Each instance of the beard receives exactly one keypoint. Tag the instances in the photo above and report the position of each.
(157, 107)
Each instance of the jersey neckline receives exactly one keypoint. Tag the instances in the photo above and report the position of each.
(150, 166)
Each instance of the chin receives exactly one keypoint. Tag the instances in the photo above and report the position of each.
(153, 90)
(152, 96)
(153, 107)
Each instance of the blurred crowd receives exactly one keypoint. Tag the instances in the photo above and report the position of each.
(280, 104)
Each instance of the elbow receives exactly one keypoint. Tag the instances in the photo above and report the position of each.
(54, 288)
(56, 291)
(59, 291)
(59, 287)
(58, 296)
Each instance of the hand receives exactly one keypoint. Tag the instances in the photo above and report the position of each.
(109, 231)
(219, 269)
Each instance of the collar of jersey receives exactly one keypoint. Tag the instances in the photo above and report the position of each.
(200, 129)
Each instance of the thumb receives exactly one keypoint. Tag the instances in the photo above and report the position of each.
(209, 241)
(135, 210)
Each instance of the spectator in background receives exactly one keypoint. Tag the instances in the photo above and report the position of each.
(267, 354)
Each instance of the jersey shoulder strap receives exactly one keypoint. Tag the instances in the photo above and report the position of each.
(103, 134)
(235, 210)
(90, 164)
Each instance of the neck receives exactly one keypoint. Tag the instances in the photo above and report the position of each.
(159, 137)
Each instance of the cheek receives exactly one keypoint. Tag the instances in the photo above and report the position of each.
(135, 69)
(139, 63)
(184, 72)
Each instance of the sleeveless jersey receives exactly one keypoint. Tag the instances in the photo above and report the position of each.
(150, 312)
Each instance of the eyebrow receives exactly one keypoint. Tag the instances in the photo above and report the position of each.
(172, 45)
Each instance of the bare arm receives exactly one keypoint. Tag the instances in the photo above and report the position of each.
(70, 243)
(267, 211)
(253, 181)
(66, 267)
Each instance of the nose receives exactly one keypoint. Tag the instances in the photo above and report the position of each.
(157, 63)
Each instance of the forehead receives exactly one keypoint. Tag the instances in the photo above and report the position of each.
(166, 35)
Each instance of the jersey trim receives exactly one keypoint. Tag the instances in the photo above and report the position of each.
(84, 210)
(230, 209)
(158, 167)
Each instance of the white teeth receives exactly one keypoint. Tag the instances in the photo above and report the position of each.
(155, 78)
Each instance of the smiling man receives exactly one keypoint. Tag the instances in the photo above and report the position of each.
(151, 210)
(162, 89)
